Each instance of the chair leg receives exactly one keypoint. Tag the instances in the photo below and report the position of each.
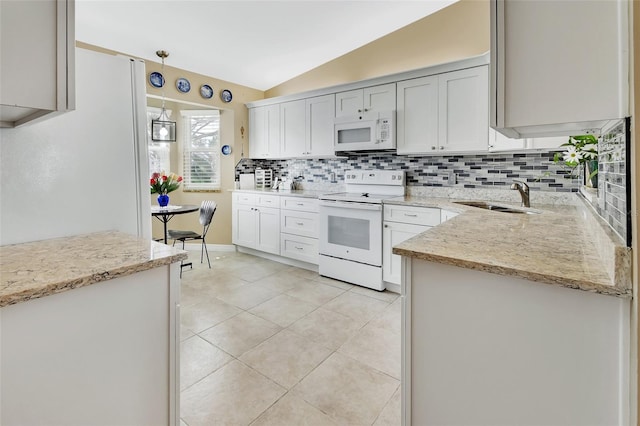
(204, 246)
(182, 264)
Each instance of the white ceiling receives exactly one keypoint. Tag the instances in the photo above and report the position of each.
(259, 44)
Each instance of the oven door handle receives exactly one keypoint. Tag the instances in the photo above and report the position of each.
(352, 205)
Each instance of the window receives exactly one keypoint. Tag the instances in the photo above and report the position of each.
(201, 150)
(159, 152)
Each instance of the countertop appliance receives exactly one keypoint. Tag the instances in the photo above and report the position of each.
(350, 240)
(85, 170)
(368, 131)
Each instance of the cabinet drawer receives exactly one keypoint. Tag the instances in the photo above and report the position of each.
(299, 204)
(245, 198)
(300, 248)
(268, 201)
(428, 216)
(299, 223)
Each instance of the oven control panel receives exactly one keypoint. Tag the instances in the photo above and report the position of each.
(374, 177)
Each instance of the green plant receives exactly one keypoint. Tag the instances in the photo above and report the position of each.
(580, 149)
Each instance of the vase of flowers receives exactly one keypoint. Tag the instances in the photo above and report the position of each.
(581, 151)
(163, 184)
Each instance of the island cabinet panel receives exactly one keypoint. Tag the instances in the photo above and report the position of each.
(104, 354)
(487, 349)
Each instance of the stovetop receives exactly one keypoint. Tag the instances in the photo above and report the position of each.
(357, 197)
(369, 186)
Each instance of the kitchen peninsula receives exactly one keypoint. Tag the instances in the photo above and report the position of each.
(89, 331)
(515, 318)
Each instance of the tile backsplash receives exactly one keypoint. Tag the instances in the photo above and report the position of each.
(612, 202)
(467, 171)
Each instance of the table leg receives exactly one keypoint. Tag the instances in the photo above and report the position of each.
(164, 221)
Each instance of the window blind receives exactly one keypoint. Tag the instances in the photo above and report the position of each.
(201, 150)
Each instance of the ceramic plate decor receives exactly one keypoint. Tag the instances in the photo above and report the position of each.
(156, 79)
(226, 95)
(226, 149)
(183, 85)
(206, 91)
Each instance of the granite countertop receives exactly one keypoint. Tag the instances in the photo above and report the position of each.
(567, 245)
(305, 193)
(42, 268)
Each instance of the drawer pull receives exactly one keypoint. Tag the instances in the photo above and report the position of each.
(299, 248)
(300, 223)
(411, 215)
(300, 204)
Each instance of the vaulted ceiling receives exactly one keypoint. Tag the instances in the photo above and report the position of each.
(259, 44)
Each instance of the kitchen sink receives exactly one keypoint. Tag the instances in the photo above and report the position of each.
(496, 208)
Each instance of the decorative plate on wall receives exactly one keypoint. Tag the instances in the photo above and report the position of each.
(156, 79)
(226, 149)
(183, 85)
(206, 91)
(226, 95)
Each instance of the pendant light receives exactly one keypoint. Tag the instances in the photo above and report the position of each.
(162, 128)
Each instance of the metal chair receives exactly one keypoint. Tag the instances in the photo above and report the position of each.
(207, 209)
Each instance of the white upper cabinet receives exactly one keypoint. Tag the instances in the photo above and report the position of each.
(417, 115)
(292, 126)
(375, 98)
(264, 132)
(444, 113)
(294, 129)
(463, 110)
(500, 142)
(37, 59)
(319, 129)
(558, 67)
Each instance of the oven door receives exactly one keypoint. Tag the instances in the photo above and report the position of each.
(351, 231)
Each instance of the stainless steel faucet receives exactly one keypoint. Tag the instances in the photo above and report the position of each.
(523, 189)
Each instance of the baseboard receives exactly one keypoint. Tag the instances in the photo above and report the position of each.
(279, 259)
(210, 247)
(393, 288)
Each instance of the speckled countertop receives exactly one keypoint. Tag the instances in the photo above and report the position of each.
(305, 193)
(41, 268)
(565, 245)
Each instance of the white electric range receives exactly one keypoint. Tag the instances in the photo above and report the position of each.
(350, 242)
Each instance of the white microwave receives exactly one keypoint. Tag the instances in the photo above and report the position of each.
(370, 131)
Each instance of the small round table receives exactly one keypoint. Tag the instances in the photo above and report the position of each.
(165, 214)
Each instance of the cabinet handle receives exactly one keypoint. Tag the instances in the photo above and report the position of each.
(410, 215)
(386, 226)
(359, 110)
(299, 204)
(433, 147)
(299, 248)
(442, 147)
(365, 110)
(299, 223)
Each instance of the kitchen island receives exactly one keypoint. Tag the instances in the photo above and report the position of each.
(89, 331)
(515, 318)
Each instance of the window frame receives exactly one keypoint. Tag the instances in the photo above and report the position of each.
(187, 150)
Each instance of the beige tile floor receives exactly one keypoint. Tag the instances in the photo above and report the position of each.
(264, 343)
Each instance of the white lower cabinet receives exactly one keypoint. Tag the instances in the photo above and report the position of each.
(400, 224)
(276, 224)
(299, 229)
(298, 247)
(254, 225)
